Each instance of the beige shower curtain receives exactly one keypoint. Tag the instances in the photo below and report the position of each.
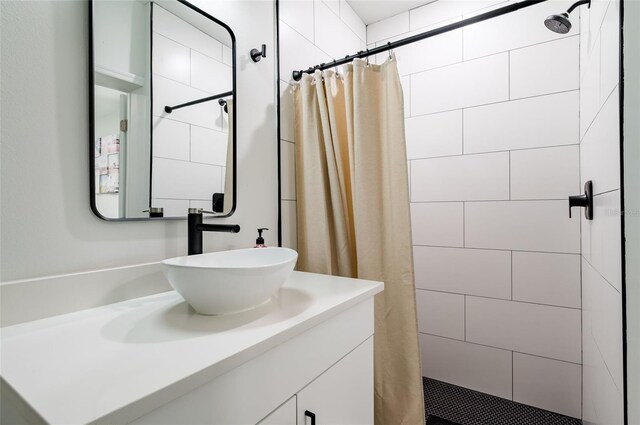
(353, 213)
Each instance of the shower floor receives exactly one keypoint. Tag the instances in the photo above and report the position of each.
(447, 404)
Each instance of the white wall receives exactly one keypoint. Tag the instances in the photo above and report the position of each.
(311, 32)
(632, 202)
(47, 226)
(601, 238)
(492, 132)
(191, 143)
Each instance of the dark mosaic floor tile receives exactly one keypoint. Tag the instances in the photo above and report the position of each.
(467, 407)
(434, 420)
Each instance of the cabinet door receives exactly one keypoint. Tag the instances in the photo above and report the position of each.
(343, 395)
(283, 415)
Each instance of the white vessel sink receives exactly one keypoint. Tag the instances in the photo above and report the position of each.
(230, 281)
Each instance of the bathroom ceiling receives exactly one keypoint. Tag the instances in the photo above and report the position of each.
(371, 11)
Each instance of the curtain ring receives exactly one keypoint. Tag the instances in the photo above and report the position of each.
(367, 58)
(389, 50)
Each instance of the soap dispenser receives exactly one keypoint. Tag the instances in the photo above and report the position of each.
(260, 240)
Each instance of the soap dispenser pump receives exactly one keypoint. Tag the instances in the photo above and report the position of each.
(260, 240)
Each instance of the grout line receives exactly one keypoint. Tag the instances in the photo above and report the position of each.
(491, 200)
(510, 176)
(409, 181)
(512, 377)
(606, 365)
(461, 40)
(308, 41)
(191, 48)
(512, 275)
(183, 84)
(465, 317)
(410, 97)
(191, 124)
(600, 274)
(188, 161)
(462, 135)
(606, 192)
(180, 199)
(497, 151)
(313, 42)
(384, 41)
(480, 105)
(464, 238)
(595, 117)
(509, 74)
(500, 299)
(501, 349)
(496, 249)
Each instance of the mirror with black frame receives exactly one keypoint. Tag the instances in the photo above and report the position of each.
(162, 98)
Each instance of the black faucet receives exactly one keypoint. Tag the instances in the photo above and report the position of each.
(195, 227)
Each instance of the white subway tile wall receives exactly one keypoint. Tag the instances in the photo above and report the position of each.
(440, 313)
(437, 223)
(544, 278)
(548, 384)
(477, 82)
(602, 373)
(493, 132)
(474, 366)
(535, 122)
(461, 178)
(542, 226)
(429, 136)
(486, 273)
(310, 32)
(561, 174)
(192, 142)
(542, 330)
(555, 63)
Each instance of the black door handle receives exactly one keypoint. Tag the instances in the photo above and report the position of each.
(585, 201)
(311, 415)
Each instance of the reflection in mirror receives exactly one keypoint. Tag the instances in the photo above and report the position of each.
(163, 117)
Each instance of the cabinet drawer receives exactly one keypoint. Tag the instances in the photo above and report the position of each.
(343, 395)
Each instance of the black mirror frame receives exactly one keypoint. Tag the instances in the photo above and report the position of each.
(92, 141)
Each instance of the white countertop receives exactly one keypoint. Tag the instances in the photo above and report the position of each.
(80, 367)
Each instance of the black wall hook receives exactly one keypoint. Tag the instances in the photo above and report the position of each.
(256, 54)
(223, 105)
(585, 201)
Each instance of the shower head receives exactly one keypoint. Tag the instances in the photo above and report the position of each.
(560, 23)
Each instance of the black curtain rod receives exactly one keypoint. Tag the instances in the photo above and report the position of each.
(297, 75)
(169, 109)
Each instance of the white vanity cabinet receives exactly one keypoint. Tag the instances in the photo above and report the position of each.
(341, 395)
(283, 415)
(153, 361)
(328, 370)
